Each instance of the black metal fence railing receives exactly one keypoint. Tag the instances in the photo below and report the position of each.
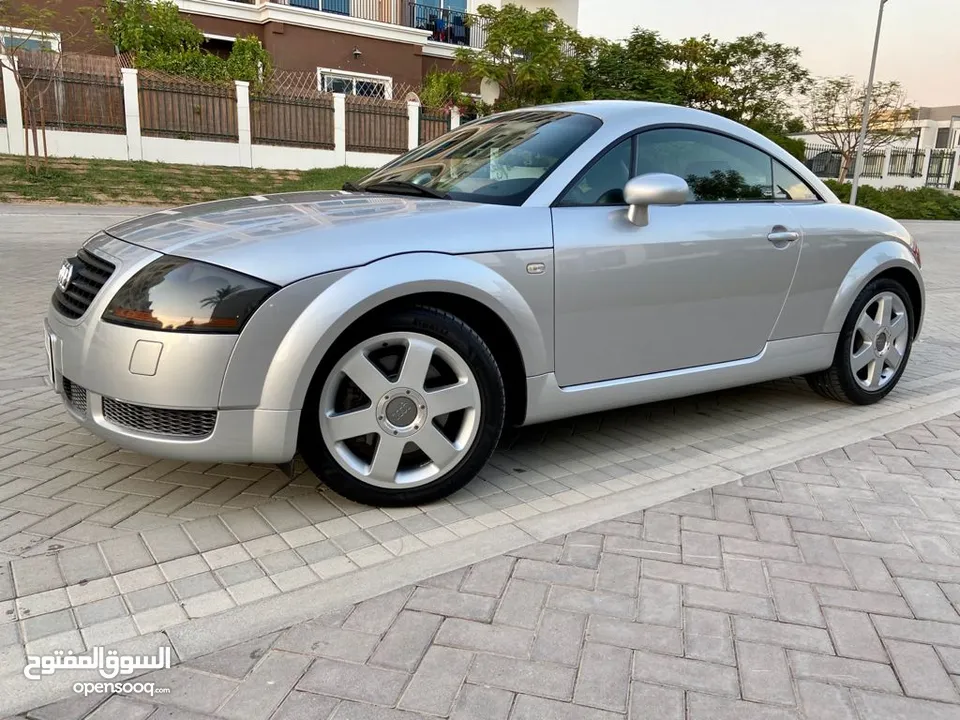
(291, 121)
(79, 102)
(3, 107)
(432, 125)
(827, 162)
(906, 163)
(188, 110)
(940, 172)
(823, 160)
(376, 126)
(453, 27)
(872, 164)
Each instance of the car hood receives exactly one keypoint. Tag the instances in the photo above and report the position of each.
(284, 238)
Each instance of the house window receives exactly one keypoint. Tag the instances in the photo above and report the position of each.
(219, 45)
(339, 7)
(351, 83)
(14, 39)
(460, 5)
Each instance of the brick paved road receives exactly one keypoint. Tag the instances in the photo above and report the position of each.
(108, 546)
(829, 588)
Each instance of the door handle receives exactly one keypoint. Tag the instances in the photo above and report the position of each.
(780, 237)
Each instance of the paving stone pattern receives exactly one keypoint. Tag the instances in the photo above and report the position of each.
(826, 589)
(98, 544)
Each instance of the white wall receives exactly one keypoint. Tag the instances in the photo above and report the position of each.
(892, 182)
(275, 157)
(99, 146)
(365, 159)
(191, 152)
(4, 140)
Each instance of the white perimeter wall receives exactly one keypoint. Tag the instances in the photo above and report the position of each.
(132, 145)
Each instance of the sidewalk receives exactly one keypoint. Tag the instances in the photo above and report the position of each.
(828, 588)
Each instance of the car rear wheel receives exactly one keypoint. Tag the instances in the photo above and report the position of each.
(874, 346)
(405, 412)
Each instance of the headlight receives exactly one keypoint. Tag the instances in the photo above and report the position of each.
(178, 295)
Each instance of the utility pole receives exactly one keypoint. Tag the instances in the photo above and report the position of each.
(858, 163)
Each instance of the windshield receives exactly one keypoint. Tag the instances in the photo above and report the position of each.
(499, 160)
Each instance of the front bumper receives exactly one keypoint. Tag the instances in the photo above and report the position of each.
(229, 435)
(153, 392)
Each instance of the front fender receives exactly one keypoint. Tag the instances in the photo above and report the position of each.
(876, 260)
(359, 291)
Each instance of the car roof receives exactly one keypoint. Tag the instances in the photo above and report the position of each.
(616, 111)
(620, 117)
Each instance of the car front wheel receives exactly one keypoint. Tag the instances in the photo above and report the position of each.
(874, 346)
(405, 412)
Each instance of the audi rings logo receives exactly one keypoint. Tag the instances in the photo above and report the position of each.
(65, 275)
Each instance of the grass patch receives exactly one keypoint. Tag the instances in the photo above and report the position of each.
(71, 180)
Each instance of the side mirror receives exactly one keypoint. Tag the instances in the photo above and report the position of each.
(653, 189)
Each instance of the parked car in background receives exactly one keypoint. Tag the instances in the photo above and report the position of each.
(528, 266)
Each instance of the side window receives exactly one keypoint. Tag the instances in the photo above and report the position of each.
(717, 168)
(787, 186)
(603, 183)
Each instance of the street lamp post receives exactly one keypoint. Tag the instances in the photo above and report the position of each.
(858, 163)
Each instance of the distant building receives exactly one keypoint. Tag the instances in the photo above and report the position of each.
(362, 47)
(931, 127)
(926, 153)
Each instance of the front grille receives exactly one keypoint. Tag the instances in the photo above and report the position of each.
(76, 396)
(89, 275)
(160, 421)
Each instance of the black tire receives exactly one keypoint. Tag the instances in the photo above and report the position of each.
(838, 381)
(470, 346)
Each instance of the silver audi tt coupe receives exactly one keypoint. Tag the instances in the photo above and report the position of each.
(524, 267)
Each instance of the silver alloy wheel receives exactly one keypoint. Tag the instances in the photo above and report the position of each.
(879, 341)
(418, 418)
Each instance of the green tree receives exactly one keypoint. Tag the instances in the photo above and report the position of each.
(160, 38)
(639, 69)
(248, 60)
(142, 26)
(762, 78)
(533, 56)
(442, 89)
(699, 73)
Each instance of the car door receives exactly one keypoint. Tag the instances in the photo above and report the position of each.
(702, 283)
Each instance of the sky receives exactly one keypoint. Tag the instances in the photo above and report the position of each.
(920, 45)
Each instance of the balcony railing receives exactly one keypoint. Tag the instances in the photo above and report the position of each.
(452, 27)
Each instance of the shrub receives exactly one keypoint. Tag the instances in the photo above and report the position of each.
(903, 204)
(160, 38)
(441, 89)
(794, 146)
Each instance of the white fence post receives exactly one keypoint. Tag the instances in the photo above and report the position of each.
(413, 125)
(131, 112)
(454, 117)
(340, 127)
(11, 96)
(243, 123)
(955, 177)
